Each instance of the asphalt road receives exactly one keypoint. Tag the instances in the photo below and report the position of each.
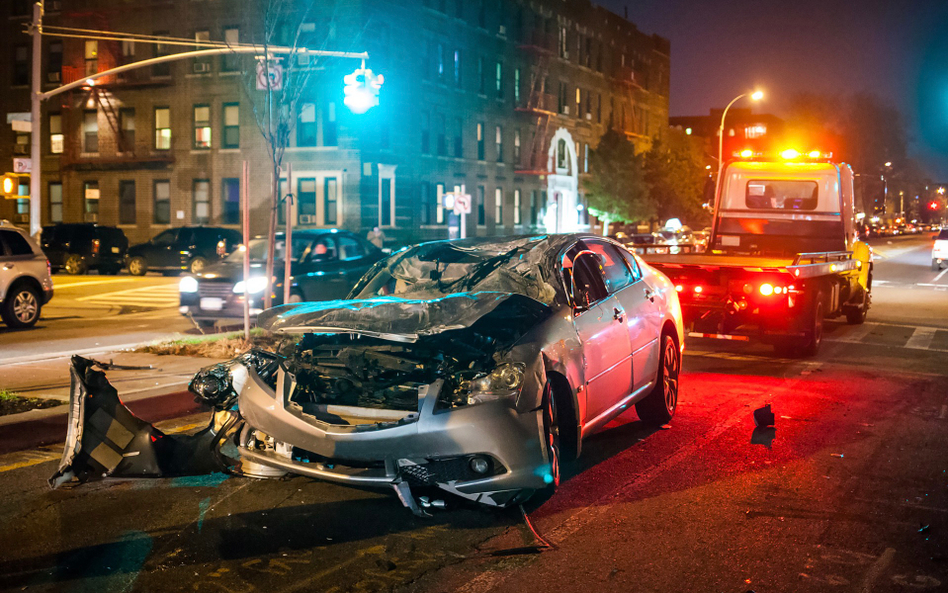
(850, 495)
(95, 311)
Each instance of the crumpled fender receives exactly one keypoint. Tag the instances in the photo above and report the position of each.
(105, 439)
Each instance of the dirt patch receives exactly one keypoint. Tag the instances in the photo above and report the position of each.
(225, 346)
(11, 403)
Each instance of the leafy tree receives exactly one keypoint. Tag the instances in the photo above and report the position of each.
(616, 188)
(674, 170)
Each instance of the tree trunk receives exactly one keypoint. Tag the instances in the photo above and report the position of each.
(271, 236)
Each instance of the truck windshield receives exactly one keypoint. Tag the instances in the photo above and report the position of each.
(779, 194)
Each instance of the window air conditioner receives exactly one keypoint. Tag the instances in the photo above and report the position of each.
(53, 76)
(22, 217)
(566, 110)
(502, 30)
(200, 67)
(307, 219)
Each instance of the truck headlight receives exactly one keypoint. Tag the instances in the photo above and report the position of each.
(254, 285)
(504, 381)
(188, 284)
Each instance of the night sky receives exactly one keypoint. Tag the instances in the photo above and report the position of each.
(896, 49)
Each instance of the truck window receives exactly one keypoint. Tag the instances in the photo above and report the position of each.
(780, 194)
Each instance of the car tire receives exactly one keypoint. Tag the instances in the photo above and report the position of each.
(137, 266)
(22, 307)
(197, 265)
(75, 265)
(658, 407)
(551, 438)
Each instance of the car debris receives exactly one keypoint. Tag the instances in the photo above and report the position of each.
(764, 417)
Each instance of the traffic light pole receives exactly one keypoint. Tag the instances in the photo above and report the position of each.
(36, 121)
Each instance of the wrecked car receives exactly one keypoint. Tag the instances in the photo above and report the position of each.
(471, 367)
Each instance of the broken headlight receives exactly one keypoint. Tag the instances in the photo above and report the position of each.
(505, 380)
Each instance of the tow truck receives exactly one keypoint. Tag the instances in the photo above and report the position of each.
(783, 255)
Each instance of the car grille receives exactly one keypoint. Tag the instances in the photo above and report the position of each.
(215, 289)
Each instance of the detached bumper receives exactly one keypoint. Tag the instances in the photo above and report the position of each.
(431, 448)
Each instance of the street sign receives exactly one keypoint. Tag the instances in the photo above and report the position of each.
(462, 204)
(269, 77)
(22, 165)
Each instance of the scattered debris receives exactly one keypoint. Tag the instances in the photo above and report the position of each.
(924, 528)
(763, 417)
(840, 455)
(665, 426)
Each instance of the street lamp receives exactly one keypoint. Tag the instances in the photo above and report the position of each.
(756, 96)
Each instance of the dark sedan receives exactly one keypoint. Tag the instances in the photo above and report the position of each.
(325, 266)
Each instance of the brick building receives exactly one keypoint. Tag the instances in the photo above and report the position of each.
(504, 98)
(743, 129)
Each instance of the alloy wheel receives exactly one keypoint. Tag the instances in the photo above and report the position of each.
(25, 306)
(671, 362)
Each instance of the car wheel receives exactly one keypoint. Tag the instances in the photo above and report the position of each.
(551, 434)
(660, 404)
(75, 265)
(22, 307)
(137, 266)
(197, 265)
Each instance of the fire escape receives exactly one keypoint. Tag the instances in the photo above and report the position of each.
(539, 105)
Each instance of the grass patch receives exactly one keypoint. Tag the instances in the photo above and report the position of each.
(226, 345)
(13, 403)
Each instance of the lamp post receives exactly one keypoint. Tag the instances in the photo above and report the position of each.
(756, 96)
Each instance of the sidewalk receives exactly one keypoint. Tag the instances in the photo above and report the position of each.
(158, 393)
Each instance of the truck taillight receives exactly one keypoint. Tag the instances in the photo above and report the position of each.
(95, 247)
(699, 289)
(679, 287)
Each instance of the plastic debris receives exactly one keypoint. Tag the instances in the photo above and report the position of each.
(840, 455)
(763, 417)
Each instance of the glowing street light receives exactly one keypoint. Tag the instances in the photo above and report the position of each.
(756, 96)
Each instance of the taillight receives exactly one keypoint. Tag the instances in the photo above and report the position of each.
(95, 247)
(221, 248)
(49, 268)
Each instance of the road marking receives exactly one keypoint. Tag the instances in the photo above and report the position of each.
(80, 283)
(921, 338)
(857, 334)
(146, 296)
(877, 568)
(944, 412)
(940, 274)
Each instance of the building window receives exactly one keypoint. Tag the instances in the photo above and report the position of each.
(499, 142)
(90, 193)
(425, 133)
(482, 14)
(459, 138)
(499, 80)
(306, 200)
(499, 207)
(330, 200)
(306, 129)
(201, 65)
(55, 201)
(457, 67)
(564, 43)
(586, 158)
(231, 135)
(442, 136)
(21, 65)
(161, 49)
(90, 131)
(516, 148)
(22, 145)
(127, 206)
(54, 63)
(425, 201)
(92, 57)
(202, 126)
(127, 127)
(231, 62)
(162, 128)
(561, 160)
(426, 59)
(128, 51)
(388, 198)
(201, 201)
(481, 76)
(755, 131)
(439, 56)
(533, 207)
(579, 102)
(480, 141)
(481, 215)
(564, 99)
(516, 88)
(162, 202)
(330, 133)
(439, 204)
(55, 133)
(230, 200)
(598, 108)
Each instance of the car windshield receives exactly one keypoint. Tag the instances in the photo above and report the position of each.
(258, 250)
(434, 270)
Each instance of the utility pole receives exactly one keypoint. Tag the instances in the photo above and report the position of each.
(36, 119)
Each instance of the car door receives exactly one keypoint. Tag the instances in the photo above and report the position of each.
(322, 276)
(354, 258)
(7, 265)
(162, 251)
(651, 317)
(600, 328)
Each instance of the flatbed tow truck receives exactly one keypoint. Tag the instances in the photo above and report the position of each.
(783, 255)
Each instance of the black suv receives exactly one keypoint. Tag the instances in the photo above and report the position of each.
(187, 248)
(80, 247)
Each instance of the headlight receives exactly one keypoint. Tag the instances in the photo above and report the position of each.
(504, 381)
(188, 284)
(254, 285)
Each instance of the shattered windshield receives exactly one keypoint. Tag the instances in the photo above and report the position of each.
(433, 270)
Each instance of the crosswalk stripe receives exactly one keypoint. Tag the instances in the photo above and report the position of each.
(857, 334)
(921, 338)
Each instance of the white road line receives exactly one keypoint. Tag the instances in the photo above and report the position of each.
(80, 283)
(132, 293)
(940, 274)
(857, 334)
(921, 338)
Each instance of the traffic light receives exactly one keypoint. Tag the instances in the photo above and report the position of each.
(933, 205)
(14, 186)
(362, 90)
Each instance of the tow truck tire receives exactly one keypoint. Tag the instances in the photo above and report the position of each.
(857, 315)
(935, 265)
(811, 344)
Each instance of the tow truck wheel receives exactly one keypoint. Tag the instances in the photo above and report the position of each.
(857, 315)
(812, 342)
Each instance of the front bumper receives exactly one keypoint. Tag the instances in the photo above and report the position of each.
(226, 307)
(429, 448)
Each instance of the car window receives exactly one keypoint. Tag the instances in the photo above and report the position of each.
(323, 249)
(165, 237)
(615, 272)
(588, 275)
(16, 244)
(943, 235)
(350, 249)
(633, 264)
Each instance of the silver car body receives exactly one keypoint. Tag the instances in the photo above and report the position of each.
(24, 269)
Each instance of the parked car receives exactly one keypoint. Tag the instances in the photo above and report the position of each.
(25, 281)
(474, 367)
(80, 247)
(940, 250)
(326, 265)
(182, 249)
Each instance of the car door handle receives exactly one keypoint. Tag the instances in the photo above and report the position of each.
(649, 294)
(616, 314)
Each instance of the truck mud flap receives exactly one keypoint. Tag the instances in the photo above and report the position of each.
(104, 438)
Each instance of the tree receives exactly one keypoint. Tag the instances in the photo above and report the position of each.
(616, 188)
(675, 172)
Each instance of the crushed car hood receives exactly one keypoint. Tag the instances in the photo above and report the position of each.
(391, 317)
